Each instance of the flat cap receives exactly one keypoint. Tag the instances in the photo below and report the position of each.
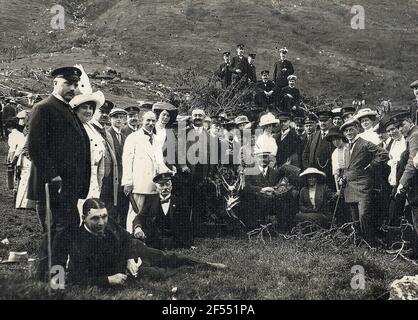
(132, 109)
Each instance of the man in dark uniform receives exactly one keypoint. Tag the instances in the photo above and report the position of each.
(59, 148)
(413, 108)
(282, 69)
(264, 91)
(117, 119)
(319, 151)
(289, 97)
(310, 121)
(133, 120)
(252, 72)
(239, 66)
(164, 223)
(224, 72)
(288, 143)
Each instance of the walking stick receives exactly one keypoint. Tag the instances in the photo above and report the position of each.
(336, 206)
(48, 228)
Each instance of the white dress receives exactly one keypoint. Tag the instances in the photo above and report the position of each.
(97, 152)
(266, 143)
(370, 135)
(22, 202)
(396, 149)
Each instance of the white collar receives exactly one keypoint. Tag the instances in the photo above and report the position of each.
(262, 170)
(56, 95)
(95, 122)
(89, 231)
(146, 131)
(132, 128)
(118, 131)
(164, 198)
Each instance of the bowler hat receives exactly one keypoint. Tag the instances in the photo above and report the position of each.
(335, 133)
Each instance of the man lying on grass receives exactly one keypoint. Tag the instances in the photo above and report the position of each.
(102, 253)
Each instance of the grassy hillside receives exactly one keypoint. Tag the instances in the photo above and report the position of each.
(156, 39)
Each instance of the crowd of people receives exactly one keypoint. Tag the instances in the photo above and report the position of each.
(134, 180)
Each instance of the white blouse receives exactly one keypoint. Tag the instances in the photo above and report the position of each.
(266, 143)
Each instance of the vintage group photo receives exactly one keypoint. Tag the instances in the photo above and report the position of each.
(208, 150)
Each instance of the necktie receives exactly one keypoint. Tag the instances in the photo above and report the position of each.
(149, 135)
(166, 200)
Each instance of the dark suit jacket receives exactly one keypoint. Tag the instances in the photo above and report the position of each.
(224, 73)
(165, 231)
(288, 147)
(118, 146)
(413, 110)
(203, 167)
(242, 64)
(322, 199)
(252, 73)
(409, 177)
(58, 146)
(280, 76)
(126, 131)
(254, 183)
(261, 86)
(285, 102)
(360, 181)
(319, 153)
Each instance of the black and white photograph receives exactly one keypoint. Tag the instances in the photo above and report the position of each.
(230, 151)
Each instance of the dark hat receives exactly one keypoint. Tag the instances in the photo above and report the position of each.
(414, 84)
(263, 72)
(347, 110)
(283, 116)
(324, 115)
(349, 123)
(162, 177)
(240, 46)
(68, 73)
(383, 123)
(400, 116)
(311, 118)
(132, 109)
(299, 120)
(107, 106)
(252, 55)
(335, 133)
(226, 53)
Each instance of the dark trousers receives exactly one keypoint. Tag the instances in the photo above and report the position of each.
(261, 100)
(159, 258)
(119, 213)
(64, 215)
(362, 213)
(396, 210)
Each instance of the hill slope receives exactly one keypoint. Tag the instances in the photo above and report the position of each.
(156, 39)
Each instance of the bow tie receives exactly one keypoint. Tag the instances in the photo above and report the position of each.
(166, 200)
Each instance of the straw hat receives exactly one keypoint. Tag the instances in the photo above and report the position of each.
(96, 97)
(366, 112)
(313, 171)
(268, 119)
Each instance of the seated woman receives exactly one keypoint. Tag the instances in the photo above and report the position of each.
(314, 199)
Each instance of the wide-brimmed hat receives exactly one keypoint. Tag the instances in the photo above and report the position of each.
(15, 257)
(241, 119)
(163, 106)
(261, 152)
(350, 123)
(366, 112)
(96, 97)
(335, 133)
(268, 119)
(312, 171)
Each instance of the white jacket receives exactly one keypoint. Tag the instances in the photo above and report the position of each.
(139, 163)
